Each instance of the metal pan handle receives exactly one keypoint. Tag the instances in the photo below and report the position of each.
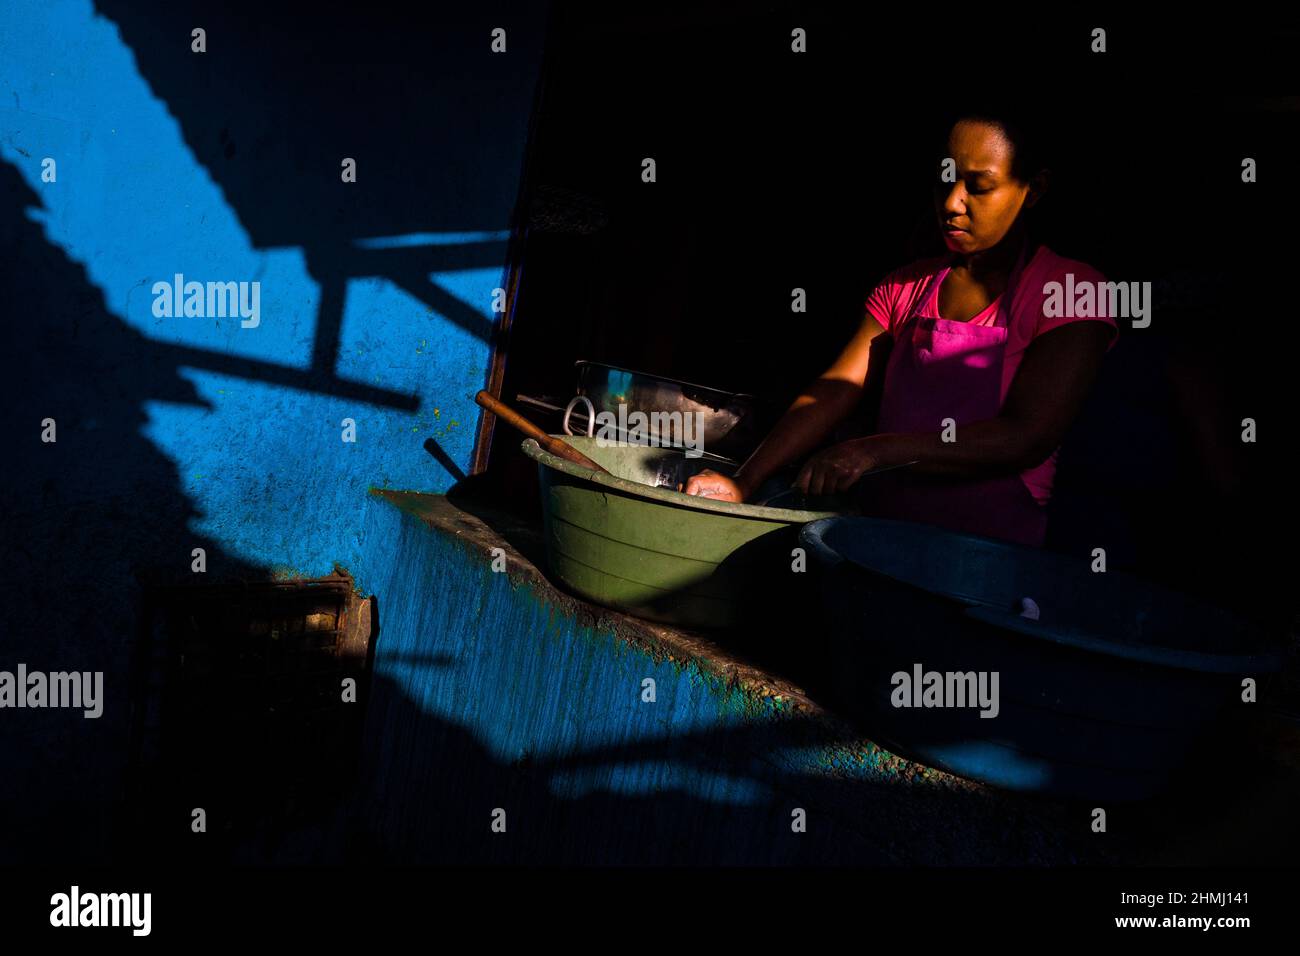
(591, 414)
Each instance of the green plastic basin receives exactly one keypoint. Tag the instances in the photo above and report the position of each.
(656, 553)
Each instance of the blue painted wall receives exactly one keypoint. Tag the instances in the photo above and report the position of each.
(179, 432)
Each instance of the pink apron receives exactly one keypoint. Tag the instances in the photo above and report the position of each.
(941, 369)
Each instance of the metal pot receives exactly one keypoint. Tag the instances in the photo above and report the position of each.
(730, 420)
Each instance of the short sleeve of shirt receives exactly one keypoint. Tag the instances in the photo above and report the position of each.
(895, 294)
(1065, 291)
(881, 301)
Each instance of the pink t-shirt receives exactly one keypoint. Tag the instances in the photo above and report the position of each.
(898, 292)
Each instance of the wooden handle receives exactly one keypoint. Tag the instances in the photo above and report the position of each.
(561, 449)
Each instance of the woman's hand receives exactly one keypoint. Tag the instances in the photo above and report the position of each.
(710, 484)
(838, 467)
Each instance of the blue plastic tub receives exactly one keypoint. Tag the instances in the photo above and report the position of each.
(1101, 697)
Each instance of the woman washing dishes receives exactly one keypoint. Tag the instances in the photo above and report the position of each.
(980, 384)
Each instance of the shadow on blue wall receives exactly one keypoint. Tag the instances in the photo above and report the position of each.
(78, 527)
(377, 297)
(266, 115)
(272, 108)
(427, 793)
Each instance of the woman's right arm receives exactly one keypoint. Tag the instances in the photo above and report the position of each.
(811, 417)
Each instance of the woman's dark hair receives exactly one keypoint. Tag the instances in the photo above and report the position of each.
(1028, 129)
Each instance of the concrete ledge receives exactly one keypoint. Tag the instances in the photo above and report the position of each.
(524, 550)
(501, 690)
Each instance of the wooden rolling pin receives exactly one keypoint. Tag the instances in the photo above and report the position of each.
(561, 449)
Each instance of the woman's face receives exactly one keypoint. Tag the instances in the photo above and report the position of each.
(979, 209)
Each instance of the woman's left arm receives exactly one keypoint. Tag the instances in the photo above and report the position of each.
(1045, 395)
